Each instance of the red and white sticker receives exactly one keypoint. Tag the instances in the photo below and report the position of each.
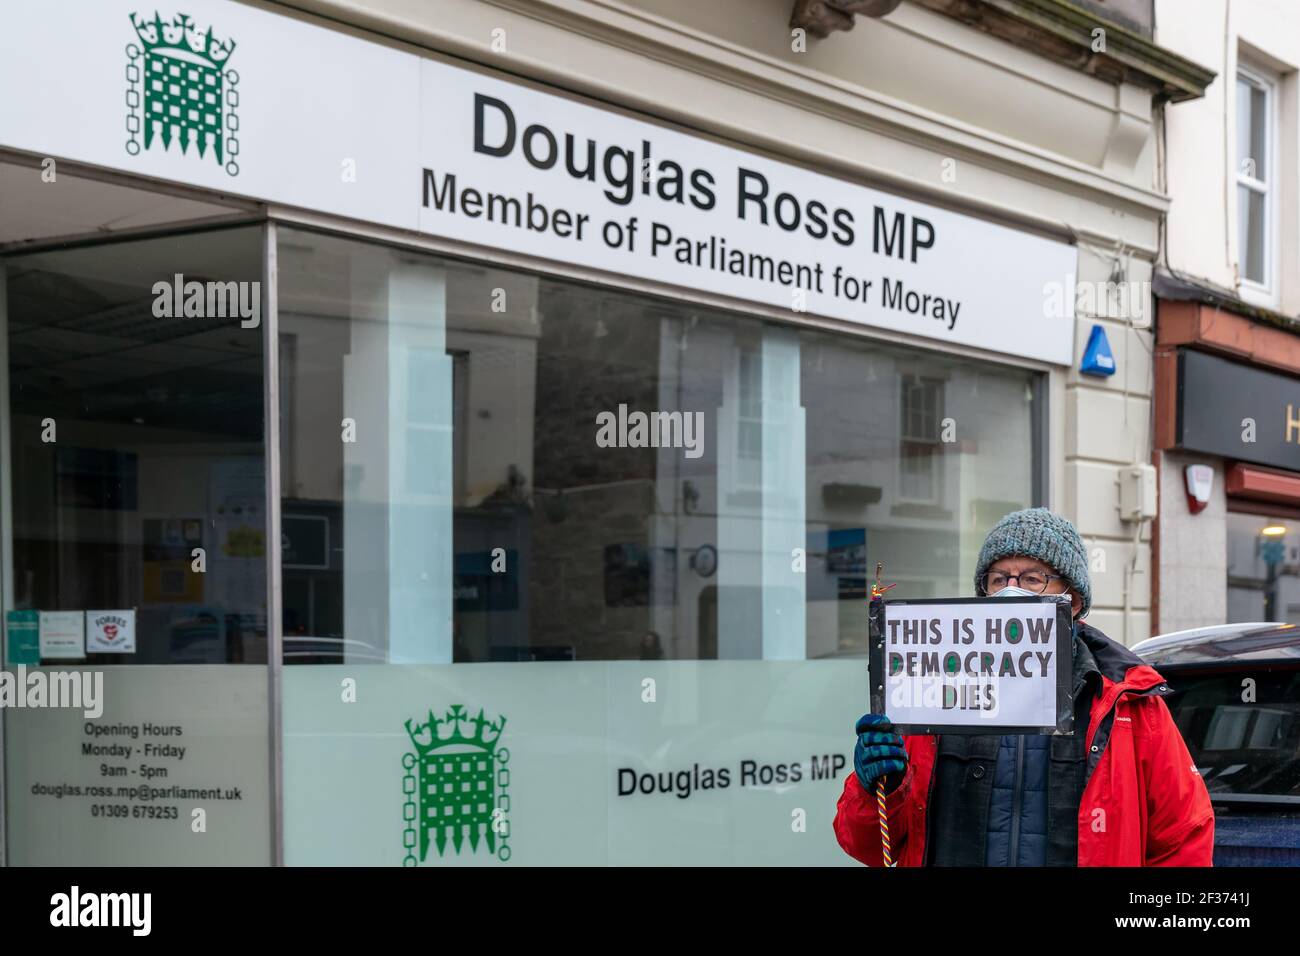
(110, 632)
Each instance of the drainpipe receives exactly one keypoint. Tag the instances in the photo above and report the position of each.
(1129, 573)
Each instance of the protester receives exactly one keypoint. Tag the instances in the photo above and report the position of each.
(1121, 791)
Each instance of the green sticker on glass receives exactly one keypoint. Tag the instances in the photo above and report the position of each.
(23, 637)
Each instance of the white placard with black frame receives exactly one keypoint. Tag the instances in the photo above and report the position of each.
(973, 665)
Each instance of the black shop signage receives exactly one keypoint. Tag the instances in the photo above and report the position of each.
(1237, 411)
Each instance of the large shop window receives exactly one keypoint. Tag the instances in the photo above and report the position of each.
(484, 465)
(1263, 569)
(605, 554)
(136, 553)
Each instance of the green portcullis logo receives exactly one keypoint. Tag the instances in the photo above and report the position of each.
(455, 786)
(188, 93)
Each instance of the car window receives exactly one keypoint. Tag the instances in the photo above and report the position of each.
(1242, 728)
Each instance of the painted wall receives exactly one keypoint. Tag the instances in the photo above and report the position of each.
(1264, 35)
(1203, 243)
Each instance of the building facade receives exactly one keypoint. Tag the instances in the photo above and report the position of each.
(1228, 339)
(464, 432)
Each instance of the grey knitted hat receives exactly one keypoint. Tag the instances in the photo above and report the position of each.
(1038, 533)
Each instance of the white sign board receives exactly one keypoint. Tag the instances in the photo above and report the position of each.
(172, 773)
(110, 632)
(573, 763)
(63, 635)
(293, 113)
(989, 665)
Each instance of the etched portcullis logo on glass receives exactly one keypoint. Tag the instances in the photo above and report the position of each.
(455, 786)
(179, 89)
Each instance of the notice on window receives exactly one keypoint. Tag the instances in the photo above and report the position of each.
(172, 772)
(110, 632)
(22, 643)
(63, 635)
(973, 665)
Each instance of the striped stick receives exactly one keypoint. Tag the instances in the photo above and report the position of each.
(877, 593)
(884, 821)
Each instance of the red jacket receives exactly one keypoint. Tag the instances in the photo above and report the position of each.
(1144, 803)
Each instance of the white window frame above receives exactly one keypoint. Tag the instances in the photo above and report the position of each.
(1264, 293)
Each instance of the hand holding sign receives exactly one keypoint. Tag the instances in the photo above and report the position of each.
(878, 752)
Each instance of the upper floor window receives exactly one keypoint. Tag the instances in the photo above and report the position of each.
(1256, 184)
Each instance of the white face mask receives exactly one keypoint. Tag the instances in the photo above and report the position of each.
(1013, 592)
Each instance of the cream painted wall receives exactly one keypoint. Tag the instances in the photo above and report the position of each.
(1193, 549)
(1202, 242)
(1034, 142)
(1202, 134)
(894, 102)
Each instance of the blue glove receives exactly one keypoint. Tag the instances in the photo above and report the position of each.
(879, 751)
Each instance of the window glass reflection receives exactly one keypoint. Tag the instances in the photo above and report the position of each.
(1263, 569)
(138, 467)
(545, 470)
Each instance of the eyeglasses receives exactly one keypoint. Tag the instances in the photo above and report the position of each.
(1036, 581)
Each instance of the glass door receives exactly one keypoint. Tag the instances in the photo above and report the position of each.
(135, 572)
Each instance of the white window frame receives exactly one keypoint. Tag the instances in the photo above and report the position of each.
(749, 427)
(1260, 293)
(912, 379)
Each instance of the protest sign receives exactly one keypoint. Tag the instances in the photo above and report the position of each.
(973, 665)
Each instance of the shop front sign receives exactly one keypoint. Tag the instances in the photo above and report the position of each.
(244, 101)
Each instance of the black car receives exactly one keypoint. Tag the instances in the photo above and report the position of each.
(1236, 701)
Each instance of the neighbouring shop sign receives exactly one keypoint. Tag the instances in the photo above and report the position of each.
(238, 99)
(1237, 411)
